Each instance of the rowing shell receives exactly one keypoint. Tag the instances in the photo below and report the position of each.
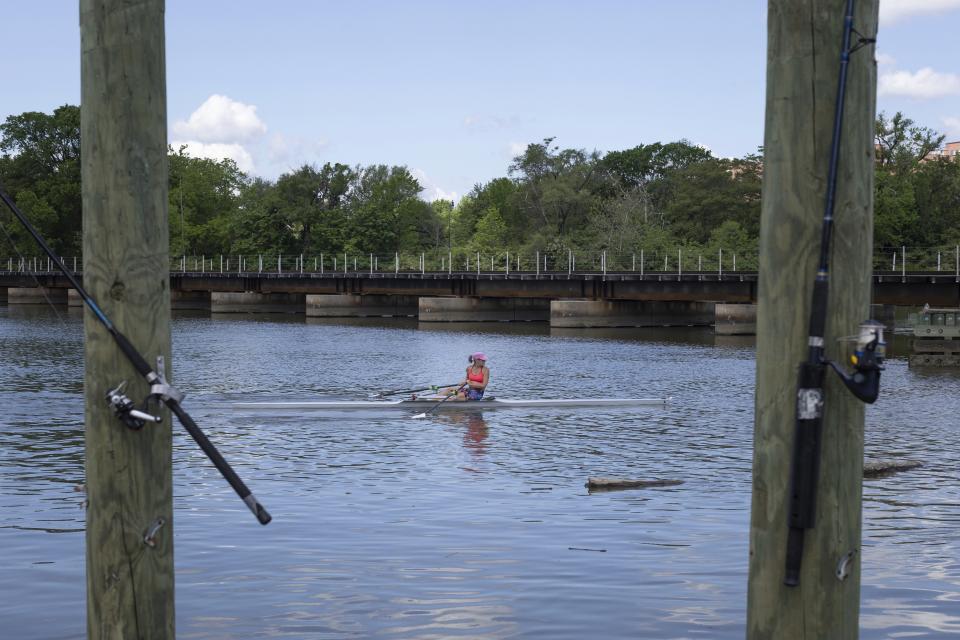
(486, 403)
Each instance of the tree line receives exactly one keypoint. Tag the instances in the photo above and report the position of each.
(662, 197)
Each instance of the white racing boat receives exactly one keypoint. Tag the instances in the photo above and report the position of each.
(427, 402)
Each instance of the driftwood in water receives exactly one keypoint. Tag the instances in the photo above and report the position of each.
(883, 468)
(614, 484)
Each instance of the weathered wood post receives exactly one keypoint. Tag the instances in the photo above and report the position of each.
(802, 74)
(125, 249)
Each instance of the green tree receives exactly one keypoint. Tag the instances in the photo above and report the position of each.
(902, 144)
(557, 188)
(203, 196)
(310, 205)
(384, 213)
(255, 226)
(491, 234)
(648, 163)
(936, 195)
(705, 194)
(894, 210)
(733, 239)
(501, 193)
(621, 222)
(41, 154)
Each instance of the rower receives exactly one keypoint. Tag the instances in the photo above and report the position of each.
(478, 377)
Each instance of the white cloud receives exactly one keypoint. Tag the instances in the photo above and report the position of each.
(218, 151)
(220, 119)
(292, 151)
(516, 148)
(431, 191)
(885, 59)
(953, 126)
(924, 84)
(894, 10)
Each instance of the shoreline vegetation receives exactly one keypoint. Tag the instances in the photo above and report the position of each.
(663, 197)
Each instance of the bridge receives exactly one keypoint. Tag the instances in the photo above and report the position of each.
(914, 288)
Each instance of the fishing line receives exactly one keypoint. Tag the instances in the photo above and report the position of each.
(160, 391)
(33, 275)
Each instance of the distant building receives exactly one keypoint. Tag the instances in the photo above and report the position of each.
(950, 151)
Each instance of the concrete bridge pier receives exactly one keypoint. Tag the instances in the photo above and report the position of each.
(73, 298)
(36, 295)
(190, 300)
(350, 305)
(584, 314)
(735, 320)
(230, 302)
(484, 309)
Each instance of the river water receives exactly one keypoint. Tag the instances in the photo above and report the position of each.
(462, 525)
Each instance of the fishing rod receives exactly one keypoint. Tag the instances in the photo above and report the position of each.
(867, 359)
(160, 391)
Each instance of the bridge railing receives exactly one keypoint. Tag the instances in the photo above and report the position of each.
(680, 260)
(505, 261)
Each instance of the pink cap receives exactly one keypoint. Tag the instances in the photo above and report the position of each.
(478, 356)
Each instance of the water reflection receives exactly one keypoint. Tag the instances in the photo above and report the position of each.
(654, 335)
(463, 524)
(372, 322)
(497, 328)
(474, 426)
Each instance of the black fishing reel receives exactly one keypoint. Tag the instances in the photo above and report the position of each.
(126, 411)
(867, 361)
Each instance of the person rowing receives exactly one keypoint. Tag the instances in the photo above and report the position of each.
(476, 380)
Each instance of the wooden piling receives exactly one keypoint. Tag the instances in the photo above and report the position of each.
(804, 41)
(125, 248)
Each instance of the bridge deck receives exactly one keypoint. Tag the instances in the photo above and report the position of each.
(936, 288)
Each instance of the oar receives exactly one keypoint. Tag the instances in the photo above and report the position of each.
(432, 387)
(424, 414)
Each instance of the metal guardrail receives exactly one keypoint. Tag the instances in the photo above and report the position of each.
(903, 262)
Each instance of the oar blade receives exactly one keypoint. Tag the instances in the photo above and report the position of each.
(419, 415)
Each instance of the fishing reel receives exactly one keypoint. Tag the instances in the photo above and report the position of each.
(126, 411)
(160, 392)
(867, 361)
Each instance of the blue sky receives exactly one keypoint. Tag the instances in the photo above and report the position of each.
(454, 89)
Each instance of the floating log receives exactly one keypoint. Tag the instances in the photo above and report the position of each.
(883, 468)
(613, 484)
